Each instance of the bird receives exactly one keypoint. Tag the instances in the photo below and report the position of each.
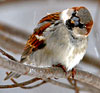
(59, 38)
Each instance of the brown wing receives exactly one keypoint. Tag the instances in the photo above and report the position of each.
(51, 17)
(33, 42)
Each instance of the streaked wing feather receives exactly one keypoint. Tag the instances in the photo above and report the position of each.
(51, 17)
(33, 43)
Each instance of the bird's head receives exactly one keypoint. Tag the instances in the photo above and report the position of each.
(78, 20)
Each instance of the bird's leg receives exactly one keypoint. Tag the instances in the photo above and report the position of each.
(61, 66)
(73, 72)
(75, 82)
(71, 81)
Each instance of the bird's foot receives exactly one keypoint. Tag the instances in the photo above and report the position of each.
(73, 72)
(61, 66)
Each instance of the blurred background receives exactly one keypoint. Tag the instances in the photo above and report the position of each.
(18, 18)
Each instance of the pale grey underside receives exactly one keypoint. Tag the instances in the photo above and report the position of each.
(61, 48)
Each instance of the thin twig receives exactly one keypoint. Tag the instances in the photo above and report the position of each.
(29, 87)
(28, 82)
(7, 55)
(34, 86)
(20, 84)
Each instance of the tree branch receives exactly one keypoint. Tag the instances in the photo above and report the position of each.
(52, 72)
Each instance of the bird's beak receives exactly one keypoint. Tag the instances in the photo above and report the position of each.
(72, 22)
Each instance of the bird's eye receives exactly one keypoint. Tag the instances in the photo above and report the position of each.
(74, 21)
(69, 25)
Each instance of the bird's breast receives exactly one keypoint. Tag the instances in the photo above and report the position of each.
(59, 49)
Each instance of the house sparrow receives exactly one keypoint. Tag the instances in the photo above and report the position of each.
(59, 38)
